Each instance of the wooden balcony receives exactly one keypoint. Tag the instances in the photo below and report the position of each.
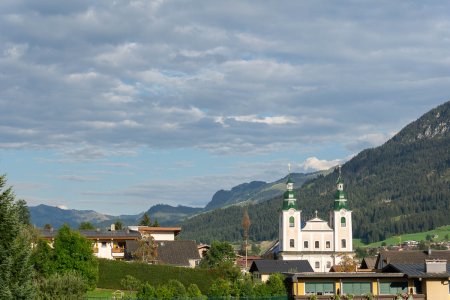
(118, 252)
(380, 297)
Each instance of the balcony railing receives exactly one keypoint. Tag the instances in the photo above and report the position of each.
(379, 297)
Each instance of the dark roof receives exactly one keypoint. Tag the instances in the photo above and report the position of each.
(323, 275)
(409, 257)
(94, 234)
(368, 263)
(177, 253)
(415, 270)
(266, 266)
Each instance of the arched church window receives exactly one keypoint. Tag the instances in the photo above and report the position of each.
(292, 243)
(316, 244)
(328, 244)
(291, 222)
(305, 244)
(343, 222)
(344, 243)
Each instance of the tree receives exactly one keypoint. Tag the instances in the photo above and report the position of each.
(155, 224)
(145, 220)
(177, 288)
(118, 225)
(42, 259)
(86, 226)
(347, 264)
(218, 254)
(146, 249)
(245, 226)
(48, 227)
(73, 252)
(130, 283)
(15, 265)
(276, 285)
(147, 292)
(193, 291)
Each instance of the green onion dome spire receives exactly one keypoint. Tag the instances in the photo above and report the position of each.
(340, 199)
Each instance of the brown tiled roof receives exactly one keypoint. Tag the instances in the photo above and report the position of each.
(368, 262)
(409, 257)
(94, 234)
(177, 253)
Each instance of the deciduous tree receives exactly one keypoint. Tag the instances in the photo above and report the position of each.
(73, 252)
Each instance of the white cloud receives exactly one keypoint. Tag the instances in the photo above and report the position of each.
(315, 164)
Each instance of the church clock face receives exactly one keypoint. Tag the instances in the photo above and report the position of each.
(343, 211)
(291, 211)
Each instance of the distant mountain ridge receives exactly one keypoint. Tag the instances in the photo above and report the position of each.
(167, 215)
(402, 186)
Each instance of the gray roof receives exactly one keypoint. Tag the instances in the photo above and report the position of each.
(415, 270)
(266, 266)
(177, 253)
(409, 257)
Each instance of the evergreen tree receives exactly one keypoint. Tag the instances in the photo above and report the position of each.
(118, 225)
(15, 265)
(145, 220)
(86, 226)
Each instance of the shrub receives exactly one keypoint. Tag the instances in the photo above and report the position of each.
(69, 285)
(147, 292)
(176, 288)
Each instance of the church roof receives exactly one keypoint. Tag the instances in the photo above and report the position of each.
(316, 224)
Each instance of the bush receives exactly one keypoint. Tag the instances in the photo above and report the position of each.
(69, 285)
(276, 285)
(194, 292)
(147, 292)
(163, 292)
(176, 288)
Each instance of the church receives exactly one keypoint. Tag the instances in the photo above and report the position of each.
(319, 242)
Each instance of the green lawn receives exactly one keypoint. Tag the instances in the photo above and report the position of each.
(111, 272)
(441, 232)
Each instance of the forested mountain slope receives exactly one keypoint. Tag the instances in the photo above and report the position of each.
(400, 187)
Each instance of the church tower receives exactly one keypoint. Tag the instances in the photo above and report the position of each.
(341, 220)
(289, 221)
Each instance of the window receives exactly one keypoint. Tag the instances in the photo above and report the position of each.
(328, 264)
(291, 222)
(316, 244)
(328, 244)
(305, 244)
(317, 265)
(343, 222)
(343, 243)
(393, 288)
(356, 288)
(292, 243)
(319, 288)
(103, 244)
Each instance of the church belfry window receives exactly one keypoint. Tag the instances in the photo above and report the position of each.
(291, 222)
(343, 222)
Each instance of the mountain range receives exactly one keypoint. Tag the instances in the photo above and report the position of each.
(167, 215)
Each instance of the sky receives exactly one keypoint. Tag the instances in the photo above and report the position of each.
(116, 106)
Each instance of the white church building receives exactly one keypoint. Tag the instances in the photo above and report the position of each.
(319, 242)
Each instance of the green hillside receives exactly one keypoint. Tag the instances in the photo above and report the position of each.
(400, 187)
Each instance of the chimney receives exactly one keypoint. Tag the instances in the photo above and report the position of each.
(435, 266)
(113, 227)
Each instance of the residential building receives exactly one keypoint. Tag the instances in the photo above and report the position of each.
(262, 269)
